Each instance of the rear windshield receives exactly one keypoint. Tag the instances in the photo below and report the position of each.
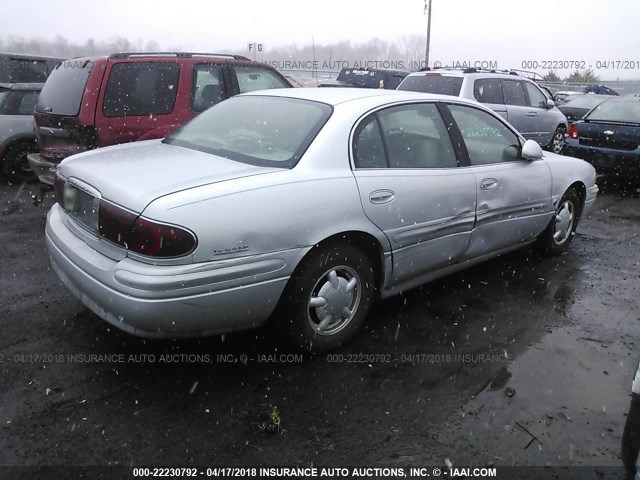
(63, 91)
(438, 84)
(585, 101)
(616, 111)
(361, 78)
(259, 130)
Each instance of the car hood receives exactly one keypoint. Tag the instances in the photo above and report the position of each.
(134, 175)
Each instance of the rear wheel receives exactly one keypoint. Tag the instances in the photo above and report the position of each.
(559, 234)
(16, 164)
(327, 298)
(557, 141)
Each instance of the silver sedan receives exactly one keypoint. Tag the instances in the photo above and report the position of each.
(303, 206)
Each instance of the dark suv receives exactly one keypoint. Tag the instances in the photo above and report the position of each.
(88, 103)
(367, 78)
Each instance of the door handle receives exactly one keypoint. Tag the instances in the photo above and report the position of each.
(382, 196)
(532, 114)
(488, 184)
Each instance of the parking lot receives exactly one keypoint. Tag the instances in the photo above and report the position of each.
(523, 360)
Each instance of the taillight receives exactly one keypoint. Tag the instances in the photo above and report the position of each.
(573, 131)
(141, 235)
(58, 188)
(432, 74)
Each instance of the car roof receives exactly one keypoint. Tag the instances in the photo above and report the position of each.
(456, 72)
(22, 86)
(335, 96)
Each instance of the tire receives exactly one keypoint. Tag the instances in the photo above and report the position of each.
(631, 435)
(335, 280)
(16, 164)
(557, 140)
(559, 234)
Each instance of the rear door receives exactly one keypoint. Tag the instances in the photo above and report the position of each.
(412, 188)
(513, 195)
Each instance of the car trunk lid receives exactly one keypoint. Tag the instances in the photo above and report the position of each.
(133, 175)
(616, 136)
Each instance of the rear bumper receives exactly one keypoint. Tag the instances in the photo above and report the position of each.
(44, 169)
(605, 160)
(169, 301)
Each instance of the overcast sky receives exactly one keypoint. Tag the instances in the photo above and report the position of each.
(506, 31)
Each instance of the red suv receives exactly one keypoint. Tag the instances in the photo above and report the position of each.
(88, 103)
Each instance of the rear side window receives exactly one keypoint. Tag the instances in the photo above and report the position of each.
(415, 136)
(514, 93)
(488, 90)
(141, 88)
(368, 149)
(251, 79)
(208, 87)
(434, 83)
(62, 94)
(18, 103)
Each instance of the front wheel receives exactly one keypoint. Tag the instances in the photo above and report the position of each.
(559, 234)
(327, 298)
(557, 141)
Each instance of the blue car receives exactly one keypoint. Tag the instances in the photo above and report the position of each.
(608, 137)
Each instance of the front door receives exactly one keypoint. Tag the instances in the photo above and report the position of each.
(513, 194)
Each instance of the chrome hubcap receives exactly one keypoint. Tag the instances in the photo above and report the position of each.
(334, 300)
(558, 141)
(564, 223)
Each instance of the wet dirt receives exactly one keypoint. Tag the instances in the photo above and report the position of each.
(522, 360)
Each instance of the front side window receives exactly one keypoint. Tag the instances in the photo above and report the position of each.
(409, 136)
(141, 88)
(208, 87)
(488, 90)
(258, 130)
(536, 97)
(514, 93)
(251, 79)
(487, 139)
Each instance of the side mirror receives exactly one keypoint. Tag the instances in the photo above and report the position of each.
(550, 103)
(531, 150)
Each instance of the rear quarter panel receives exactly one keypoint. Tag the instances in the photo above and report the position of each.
(275, 211)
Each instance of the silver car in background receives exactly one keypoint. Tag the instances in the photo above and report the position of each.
(17, 133)
(517, 99)
(303, 206)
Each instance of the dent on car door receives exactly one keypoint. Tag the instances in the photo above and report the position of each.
(513, 195)
(412, 188)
